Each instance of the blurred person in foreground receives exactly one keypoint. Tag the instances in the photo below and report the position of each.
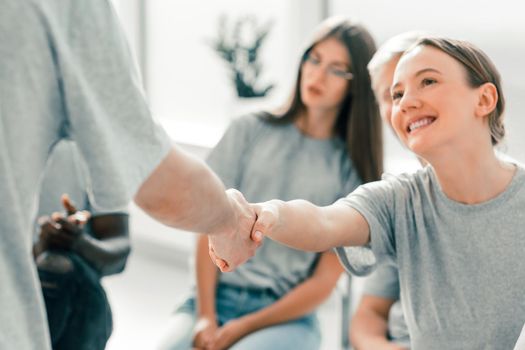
(66, 72)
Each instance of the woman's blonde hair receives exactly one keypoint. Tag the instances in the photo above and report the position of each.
(393, 47)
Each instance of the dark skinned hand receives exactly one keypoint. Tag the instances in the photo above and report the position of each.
(60, 231)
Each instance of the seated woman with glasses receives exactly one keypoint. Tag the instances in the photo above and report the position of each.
(325, 143)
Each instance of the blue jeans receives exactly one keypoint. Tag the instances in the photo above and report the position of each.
(232, 303)
(78, 311)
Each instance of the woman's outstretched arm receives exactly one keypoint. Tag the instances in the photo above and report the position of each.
(303, 225)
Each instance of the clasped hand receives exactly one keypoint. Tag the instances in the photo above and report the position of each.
(230, 249)
(209, 336)
(62, 232)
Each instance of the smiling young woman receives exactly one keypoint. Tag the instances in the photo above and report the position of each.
(455, 227)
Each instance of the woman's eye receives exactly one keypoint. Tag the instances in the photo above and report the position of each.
(313, 60)
(396, 95)
(428, 81)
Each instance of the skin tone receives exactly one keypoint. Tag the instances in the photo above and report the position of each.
(322, 94)
(322, 91)
(370, 324)
(106, 247)
(302, 299)
(173, 194)
(457, 140)
(428, 84)
(381, 82)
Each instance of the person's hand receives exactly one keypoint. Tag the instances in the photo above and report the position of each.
(230, 249)
(204, 332)
(268, 218)
(62, 232)
(228, 334)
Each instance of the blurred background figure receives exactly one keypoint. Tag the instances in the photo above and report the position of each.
(321, 146)
(379, 322)
(74, 78)
(73, 256)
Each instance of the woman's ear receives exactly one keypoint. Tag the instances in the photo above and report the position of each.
(488, 99)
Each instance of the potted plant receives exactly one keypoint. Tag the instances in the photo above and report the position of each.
(240, 49)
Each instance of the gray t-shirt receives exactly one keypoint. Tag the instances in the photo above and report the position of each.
(65, 72)
(384, 283)
(461, 267)
(64, 173)
(267, 161)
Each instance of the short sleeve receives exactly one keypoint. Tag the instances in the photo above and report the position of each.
(106, 111)
(226, 158)
(375, 201)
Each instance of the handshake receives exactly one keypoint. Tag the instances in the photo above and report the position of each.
(243, 234)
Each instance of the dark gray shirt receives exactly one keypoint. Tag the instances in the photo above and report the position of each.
(461, 267)
(267, 161)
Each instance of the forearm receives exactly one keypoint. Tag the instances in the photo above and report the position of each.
(300, 224)
(183, 192)
(303, 225)
(369, 330)
(207, 274)
(108, 256)
(303, 299)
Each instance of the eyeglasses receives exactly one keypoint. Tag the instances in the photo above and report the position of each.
(332, 70)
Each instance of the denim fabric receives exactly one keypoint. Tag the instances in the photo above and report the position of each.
(233, 302)
(79, 315)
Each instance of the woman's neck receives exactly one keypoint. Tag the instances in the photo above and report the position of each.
(317, 124)
(472, 177)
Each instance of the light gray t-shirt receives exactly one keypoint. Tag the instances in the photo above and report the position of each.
(64, 173)
(267, 161)
(65, 72)
(461, 267)
(384, 283)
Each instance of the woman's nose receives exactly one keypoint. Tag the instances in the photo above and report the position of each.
(409, 101)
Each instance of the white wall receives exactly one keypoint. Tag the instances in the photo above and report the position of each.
(190, 92)
(189, 86)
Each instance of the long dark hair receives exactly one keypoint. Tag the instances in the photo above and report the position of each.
(358, 123)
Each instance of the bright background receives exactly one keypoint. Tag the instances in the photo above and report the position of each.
(191, 94)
